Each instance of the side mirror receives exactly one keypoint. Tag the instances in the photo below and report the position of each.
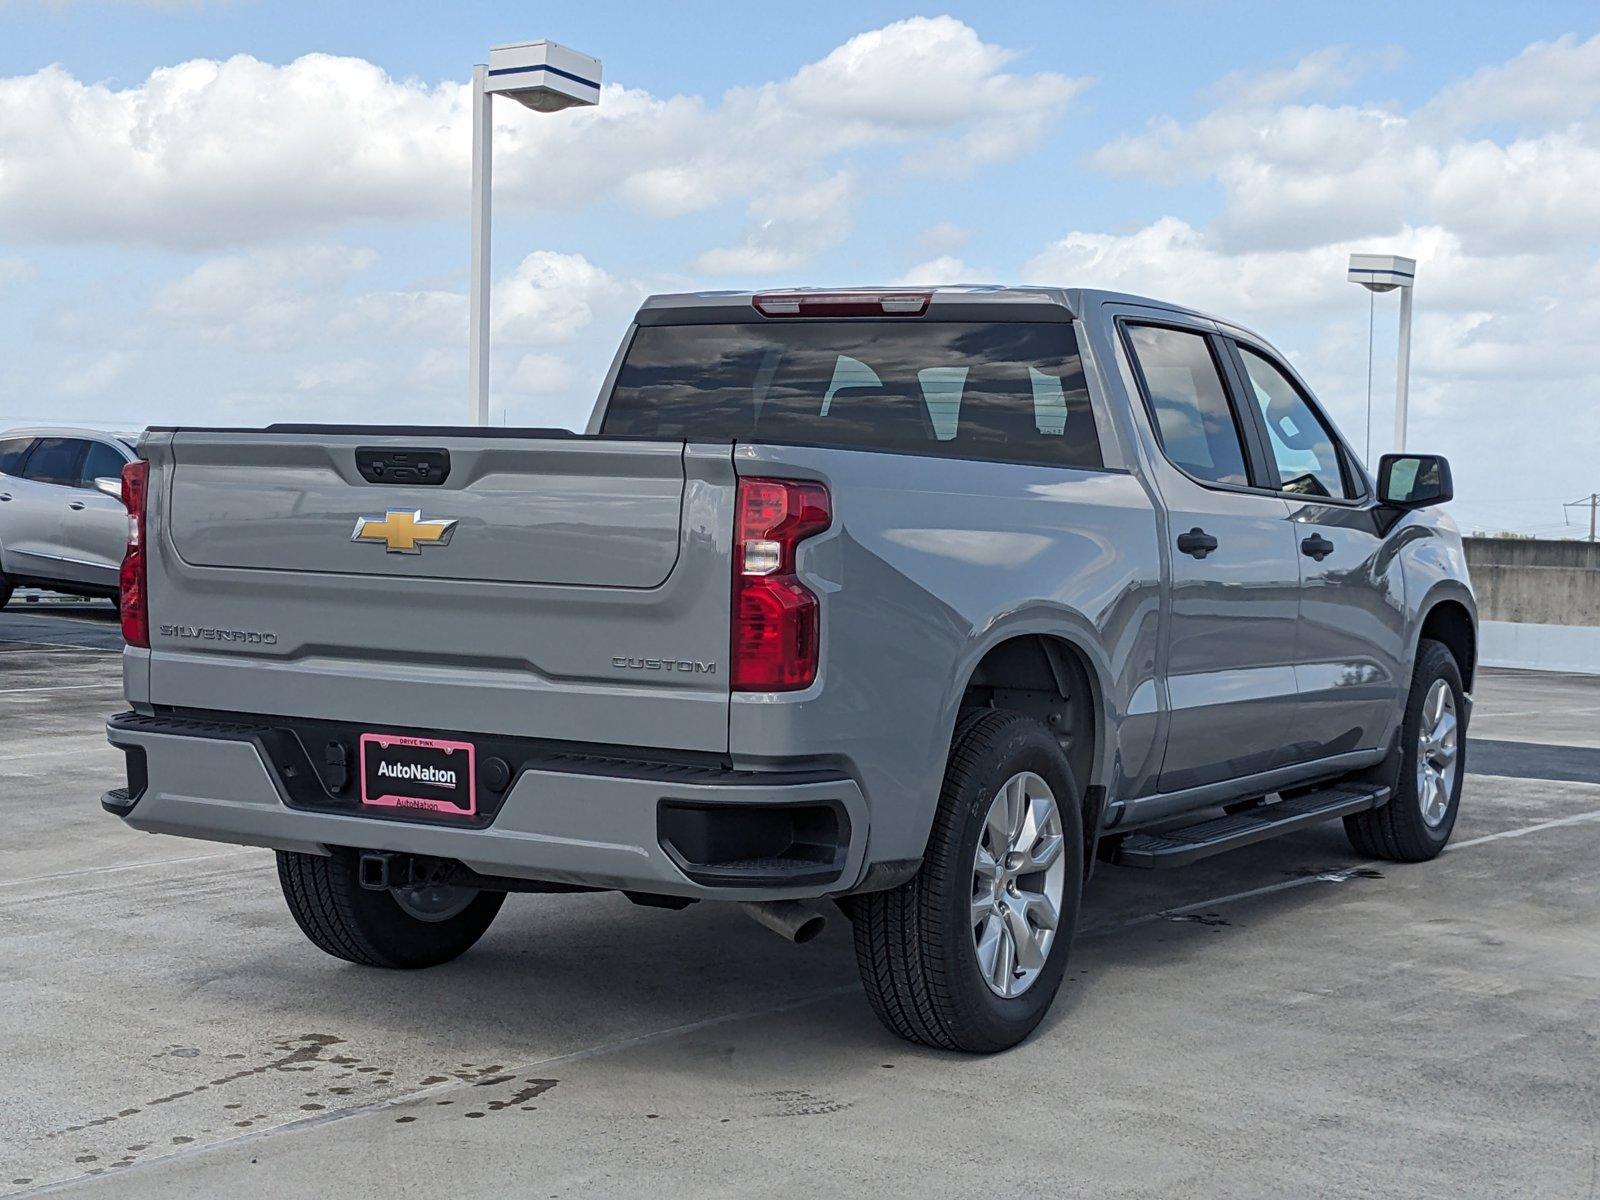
(1414, 481)
(111, 487)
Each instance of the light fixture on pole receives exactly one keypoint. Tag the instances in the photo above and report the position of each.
(546, 78)
(1384, 273)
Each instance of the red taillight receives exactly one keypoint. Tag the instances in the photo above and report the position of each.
(135, 610)
(776, 630)
(842, 304)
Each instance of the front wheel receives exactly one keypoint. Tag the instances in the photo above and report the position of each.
(403, 928)
(1416, 823)
(970, 952)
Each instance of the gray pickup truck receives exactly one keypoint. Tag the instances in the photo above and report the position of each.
(918, 601)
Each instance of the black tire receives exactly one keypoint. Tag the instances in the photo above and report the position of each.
(914, 943)
(1397, 831)
(6, 588)
(370, 928)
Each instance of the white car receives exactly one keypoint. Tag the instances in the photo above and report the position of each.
(61, 525)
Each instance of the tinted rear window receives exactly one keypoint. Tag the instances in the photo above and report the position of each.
(1005, 391)
(55, 460)
(12, 452)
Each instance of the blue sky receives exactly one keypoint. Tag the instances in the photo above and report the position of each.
(310, 261)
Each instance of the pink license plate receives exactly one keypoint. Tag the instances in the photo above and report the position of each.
(421, 774)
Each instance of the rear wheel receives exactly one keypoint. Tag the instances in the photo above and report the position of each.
(1416, 823)
(970, 952)
(6, 588)
(403, 928)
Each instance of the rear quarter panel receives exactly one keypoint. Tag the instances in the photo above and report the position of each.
(928, 564)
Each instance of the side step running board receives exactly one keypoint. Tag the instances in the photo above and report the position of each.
(1180, 847)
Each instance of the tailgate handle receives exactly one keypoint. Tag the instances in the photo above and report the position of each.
(405, 465)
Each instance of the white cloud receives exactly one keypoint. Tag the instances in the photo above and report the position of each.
(90, 376)
(300, 333)
(1548, 81)
(945, 237)
(550, 297)
(942, 268)
(1323, 72)
(1172, 260)
(1493, 185)
(358, 376)
(787, 228)
(1297, 174)
(266, 299)
(540, 374)
(217, 153)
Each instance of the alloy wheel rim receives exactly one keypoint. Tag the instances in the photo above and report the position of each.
(1018, 875)
(1438, 753)
(433, 904)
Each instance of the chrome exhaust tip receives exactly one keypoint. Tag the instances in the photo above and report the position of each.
(793, 920)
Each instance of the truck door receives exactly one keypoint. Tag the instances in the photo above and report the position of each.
(1349, 654)
(1235, 572)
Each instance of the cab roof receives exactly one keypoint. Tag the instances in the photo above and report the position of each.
(956, 300)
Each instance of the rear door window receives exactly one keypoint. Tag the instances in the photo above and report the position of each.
(102, 462)
(1193, 417)
(12, 453)
(996, 390)
(55, 460)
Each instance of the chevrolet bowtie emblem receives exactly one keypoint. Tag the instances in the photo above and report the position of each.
(403, 532)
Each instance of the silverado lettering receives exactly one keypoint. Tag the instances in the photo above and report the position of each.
(207, 633)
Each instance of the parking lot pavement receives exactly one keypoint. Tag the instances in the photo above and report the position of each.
(1283, 1020)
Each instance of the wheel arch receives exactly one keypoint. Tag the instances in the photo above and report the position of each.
(1451, 618)
(1055, 675)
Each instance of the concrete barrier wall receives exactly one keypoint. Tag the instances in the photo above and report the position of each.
(1546, 583)
(1538, 602)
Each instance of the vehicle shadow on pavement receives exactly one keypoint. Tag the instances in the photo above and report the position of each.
(557, 973)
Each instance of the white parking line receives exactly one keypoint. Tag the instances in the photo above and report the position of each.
(65, 687)
(1575, 819)
(160, 862)
(24, 647)
(75, 751)
(1480, 715)
(1341, 875)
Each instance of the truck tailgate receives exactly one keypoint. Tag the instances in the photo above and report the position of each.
(566, 588)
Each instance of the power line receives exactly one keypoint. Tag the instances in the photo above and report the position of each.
(1592, 503)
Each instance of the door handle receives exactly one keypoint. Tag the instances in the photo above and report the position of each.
(1196, 542)
(5, 495)
(75, 505)
(1316, 546)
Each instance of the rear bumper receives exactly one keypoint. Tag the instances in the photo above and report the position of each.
(564, 818)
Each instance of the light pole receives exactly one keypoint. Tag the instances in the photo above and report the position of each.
(546, 78)
(1384, 273)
